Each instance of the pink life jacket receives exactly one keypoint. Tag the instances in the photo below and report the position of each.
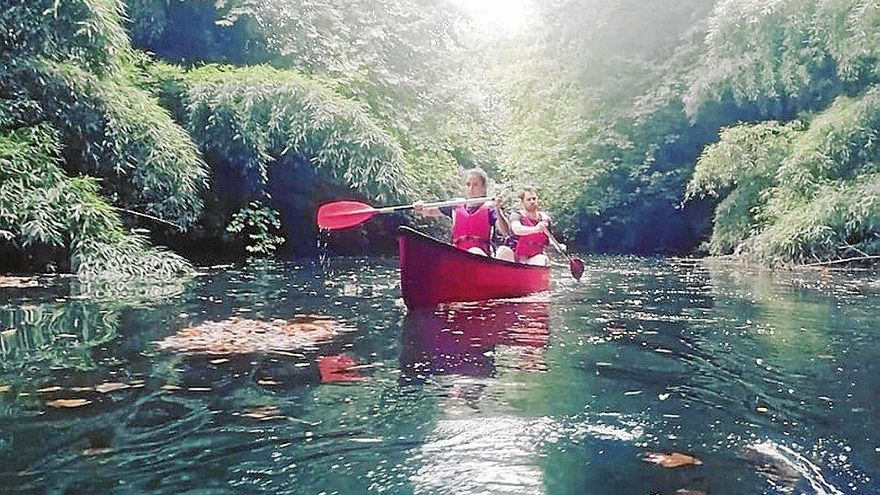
(471, 229)
(531, 244)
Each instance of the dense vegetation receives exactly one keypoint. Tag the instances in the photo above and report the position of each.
(748, 125)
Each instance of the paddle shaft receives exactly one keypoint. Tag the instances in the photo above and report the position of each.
(556, 243)
(438, 204)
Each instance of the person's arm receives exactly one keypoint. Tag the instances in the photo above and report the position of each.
(562, 248)
(519, 229)
(502, 226)
(420, 209)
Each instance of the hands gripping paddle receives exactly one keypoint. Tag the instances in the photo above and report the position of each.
(574, 263)
(338, 215)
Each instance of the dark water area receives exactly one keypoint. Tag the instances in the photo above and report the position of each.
(771, 380)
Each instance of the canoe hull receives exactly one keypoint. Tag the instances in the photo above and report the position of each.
(434, 272)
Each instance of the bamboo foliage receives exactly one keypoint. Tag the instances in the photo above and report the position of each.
(800, 194)
(88, 33)
(77, 136)
(789, 52)
(251, 117)
(41, 205)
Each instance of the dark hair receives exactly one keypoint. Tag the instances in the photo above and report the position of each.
(479, 173)
(525, 189)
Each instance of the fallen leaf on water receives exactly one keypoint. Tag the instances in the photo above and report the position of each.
(671, 459)
(199, 389)
(267, 382)
(170, 387)
(68, 402)
(111, 387)
(8, 332)
(5, 388)
(53, 388)
(264, 413)
(685, 491)
(97, 451)
(244, 336)
(18, 282)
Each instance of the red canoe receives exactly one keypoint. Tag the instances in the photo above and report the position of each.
(433, 272)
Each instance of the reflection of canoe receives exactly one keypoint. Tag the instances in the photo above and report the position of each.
(462, 338)
(433, 272)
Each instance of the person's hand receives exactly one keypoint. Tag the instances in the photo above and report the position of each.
(563, 248)
(543, 225)
(419, 207)
(499, 201)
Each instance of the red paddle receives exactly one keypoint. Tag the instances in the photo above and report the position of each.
(574, 263)
(338, 215)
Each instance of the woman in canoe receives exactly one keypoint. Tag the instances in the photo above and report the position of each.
(472, 224)
(530, 226)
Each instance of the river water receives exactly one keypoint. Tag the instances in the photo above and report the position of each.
(769, 382)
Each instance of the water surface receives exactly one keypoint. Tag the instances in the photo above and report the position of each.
(771, 380)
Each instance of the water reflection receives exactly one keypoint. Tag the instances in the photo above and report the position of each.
(39, 337)
(472, 338)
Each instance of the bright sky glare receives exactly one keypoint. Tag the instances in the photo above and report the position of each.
(507, 16)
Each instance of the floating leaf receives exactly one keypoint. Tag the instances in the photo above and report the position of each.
(243, 336)
(96, 451)
(111, 387)
(671, 459)
(46, 390)
(18, 282)
(5, 388)
(263, 413)
(68, 403)
(170, 387)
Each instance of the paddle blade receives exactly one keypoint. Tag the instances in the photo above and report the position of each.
(577, 267)
(344, 214)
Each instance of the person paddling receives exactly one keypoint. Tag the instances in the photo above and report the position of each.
(472, 224)
(530, 226)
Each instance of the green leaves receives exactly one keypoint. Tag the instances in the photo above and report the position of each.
(86, 32)
(252, 117)
(261, 223)
(41, 205)
(797, 193)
